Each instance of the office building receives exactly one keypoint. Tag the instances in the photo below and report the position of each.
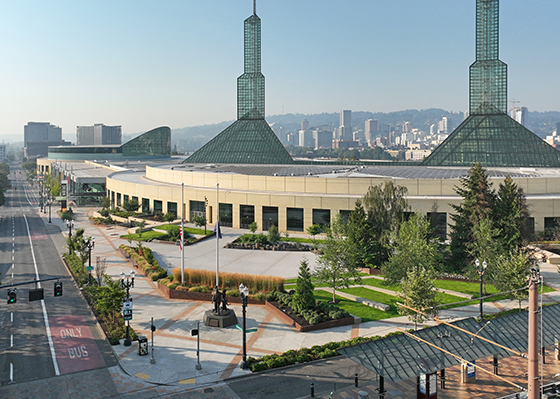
(38, 136)
(98, 134)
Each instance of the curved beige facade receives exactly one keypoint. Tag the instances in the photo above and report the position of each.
(335, 191)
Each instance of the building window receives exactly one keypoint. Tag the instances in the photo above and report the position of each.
(438, 221)
(295, 219)
(246, 215)
(551, 223)
(125, 198)
(269, 217)
(529, 228)
(322, 217)
(226, 215)
(345, 215)
(145, 205)
(118, 199)
(112, 199)
(198, 208)
(134, 198)
(172, 208)
(158, 206)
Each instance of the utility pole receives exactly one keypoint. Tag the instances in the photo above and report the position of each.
(533, 382)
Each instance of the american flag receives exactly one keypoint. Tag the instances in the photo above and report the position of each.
(181, 239)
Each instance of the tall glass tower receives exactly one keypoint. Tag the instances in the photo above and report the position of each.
(488, 75)
(249, 140)
(489, 136)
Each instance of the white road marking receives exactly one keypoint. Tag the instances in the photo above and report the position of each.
(12, 340)
(45, 315)
(11, 373)
(12, 265)
(12, 316)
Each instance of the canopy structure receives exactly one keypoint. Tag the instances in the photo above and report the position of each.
(402, 357)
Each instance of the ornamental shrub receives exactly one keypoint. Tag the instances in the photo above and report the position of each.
(303, 296)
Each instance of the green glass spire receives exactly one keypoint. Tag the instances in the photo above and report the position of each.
(489, 136)
(488, 75)
(249, 140)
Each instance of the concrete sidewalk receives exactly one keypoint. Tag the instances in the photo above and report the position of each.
(175, 350)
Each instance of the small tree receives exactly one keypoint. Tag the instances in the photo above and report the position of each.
(303, 297)
(273, 235)
(169, 217)
(100, 268)
(253, 227)
(314, 229)
(105, 203)
(130, 206)
(334, 267)
(485, 247)
(361, 238)
(199, 221)
(413, 247)
(418, 292)
(511, 274)
(110, 298)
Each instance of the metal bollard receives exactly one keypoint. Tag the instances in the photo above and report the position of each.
(312, 390)
(356, 380)
(363, 395)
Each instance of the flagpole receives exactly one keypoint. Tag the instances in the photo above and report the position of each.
(182, 235)
(217, 232)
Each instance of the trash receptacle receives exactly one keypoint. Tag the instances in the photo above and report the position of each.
(142, 345)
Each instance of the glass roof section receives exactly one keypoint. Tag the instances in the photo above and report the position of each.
(402, 357)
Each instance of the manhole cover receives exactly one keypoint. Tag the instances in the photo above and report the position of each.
(208, 390)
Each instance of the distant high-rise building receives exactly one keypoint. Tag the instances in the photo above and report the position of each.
(520, 115)
(345, 132)
(433, 129)
(443, 126)
(98, 134)
(305, 125)
(407, 127)
(306, 138)
(322, 138)
(38, 136)
(371, 126)
(3, 155)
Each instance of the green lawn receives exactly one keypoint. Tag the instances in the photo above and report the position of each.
(190, 230)
(302, 240)
(146, 235)
(366, 313)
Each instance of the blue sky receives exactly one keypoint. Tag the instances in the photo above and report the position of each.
(144, 64)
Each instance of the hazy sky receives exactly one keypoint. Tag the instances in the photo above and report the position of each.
(143, 64)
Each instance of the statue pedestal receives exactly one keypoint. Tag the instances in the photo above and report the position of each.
(223, 320)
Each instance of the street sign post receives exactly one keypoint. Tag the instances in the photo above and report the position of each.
(127, 314)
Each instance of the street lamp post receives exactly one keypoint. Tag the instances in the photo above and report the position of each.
(50, 202)
(70, 224)
(481, 271)
(244, 291)
(90, 243)
(127, 284)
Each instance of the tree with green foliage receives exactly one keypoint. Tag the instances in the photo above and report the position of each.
(413, 247)
(478, 202)
(511, 274)
(418, 292)
(109, 298)
(253, 227)
(511, 214)
(361, 238)
(199, 221)
(334, 267)
(130, 206)
(105, 203)
(273, 234)
(303, 298)
(385, 206)
(314, 229)
(486, 246)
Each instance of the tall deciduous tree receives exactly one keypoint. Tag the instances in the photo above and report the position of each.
(334, 267)
(418, 292)
(385, 206)
(303, 296)
(511, 214)
(478, 201)
(511, 274)
(413, 247)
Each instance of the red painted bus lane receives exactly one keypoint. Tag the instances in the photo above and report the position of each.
(74, 345)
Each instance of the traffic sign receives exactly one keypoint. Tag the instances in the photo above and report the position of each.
(127, 314)
(89, 268)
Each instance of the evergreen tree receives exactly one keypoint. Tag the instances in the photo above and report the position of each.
(360, 237)
(478, 201)
(303, 298)
(511, 215)
(413, 247)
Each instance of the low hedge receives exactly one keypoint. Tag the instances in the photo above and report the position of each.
(145, 261)
(323, 311)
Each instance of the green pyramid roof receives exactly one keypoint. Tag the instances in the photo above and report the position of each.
(493, 139)
(246, 141)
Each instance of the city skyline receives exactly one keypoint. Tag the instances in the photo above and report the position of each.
(143, 65)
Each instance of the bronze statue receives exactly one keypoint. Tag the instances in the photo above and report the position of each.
(216, 299)
(224, 301)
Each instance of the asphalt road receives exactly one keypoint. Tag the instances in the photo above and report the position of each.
(44, 338)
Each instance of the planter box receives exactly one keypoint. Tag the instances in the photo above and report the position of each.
(284, 318)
